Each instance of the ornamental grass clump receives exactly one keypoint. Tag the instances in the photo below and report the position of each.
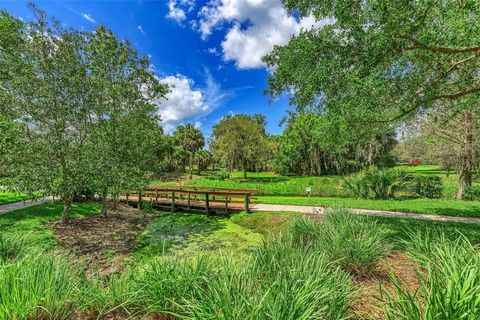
(39, 287)
(449, 280)
(12, 247)
(281, 281)
(354, 243)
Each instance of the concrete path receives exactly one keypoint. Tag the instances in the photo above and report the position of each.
(378, 213)
(4, 208)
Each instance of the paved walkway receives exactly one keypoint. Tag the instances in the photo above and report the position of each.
(288, 208)
(4, 208)
(378, 213)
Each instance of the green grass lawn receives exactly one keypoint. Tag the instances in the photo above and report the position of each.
(30, 223)
(9, 197)
(271, 184)
(396, 229)
(449, 207)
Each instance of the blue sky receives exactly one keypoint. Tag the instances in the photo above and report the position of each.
(208, 51)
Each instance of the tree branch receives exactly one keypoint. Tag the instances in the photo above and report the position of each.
(420, 45)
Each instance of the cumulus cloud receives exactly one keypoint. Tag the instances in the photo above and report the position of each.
(183, 100)
(187, 101)
(177, 8)
(87, 17)
(255, 26)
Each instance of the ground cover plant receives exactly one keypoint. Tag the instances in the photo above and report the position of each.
(190, 266)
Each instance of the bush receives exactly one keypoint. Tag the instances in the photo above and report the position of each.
(375, 183)
(355, 243)
(221, 175)
(427, 186)
(449, 278)
(472, 193)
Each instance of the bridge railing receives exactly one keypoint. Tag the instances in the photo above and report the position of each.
(194, 197)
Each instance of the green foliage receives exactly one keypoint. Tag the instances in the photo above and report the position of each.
(311, 144)
(190, 140)
(354, 243)
(219, 176)
(240, 141)
(70, 94)
(445, 207)
(450, 282)
(472, 193)
(375, 183)
(11, 247)
(426, 186)
(39, 287)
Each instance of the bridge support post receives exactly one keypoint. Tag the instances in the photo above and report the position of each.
(247, 201)
(139, 204)
(207, 204)
(173, 201)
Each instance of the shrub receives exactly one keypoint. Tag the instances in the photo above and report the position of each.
(375, 183)
(355, 243)
(472, 192)
(449, 278)
(427, 186)
(221, 175)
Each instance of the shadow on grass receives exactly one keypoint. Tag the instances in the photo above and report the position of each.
(49, 211)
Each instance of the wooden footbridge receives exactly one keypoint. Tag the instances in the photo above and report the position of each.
(205, 199)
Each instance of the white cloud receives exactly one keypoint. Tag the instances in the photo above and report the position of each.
(267, 24)
(140, 28)
(213, 51)
(174, 12)
(197, 124)
(183, 100)
(88, 17)
(186, 101)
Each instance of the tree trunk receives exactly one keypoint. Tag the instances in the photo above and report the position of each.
(115, 201)
(191, 166)
(67, 205)
(104, 211)
(466, 156)
(244, 170)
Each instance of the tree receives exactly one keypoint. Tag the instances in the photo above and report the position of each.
(126, 128)
(312, 144)
(80, 106)
(239, 140)
(191, 140)
(384, 61)
(203, 158)
(49, 96)
(446, 140)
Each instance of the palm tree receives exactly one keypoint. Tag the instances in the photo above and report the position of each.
(191, 140)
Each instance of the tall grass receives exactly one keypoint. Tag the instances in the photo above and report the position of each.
(12, 247)
(39, 287)
(279, 281)
(355, 243)
(449, 276)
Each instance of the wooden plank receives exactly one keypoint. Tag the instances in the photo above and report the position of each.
(173, 201)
